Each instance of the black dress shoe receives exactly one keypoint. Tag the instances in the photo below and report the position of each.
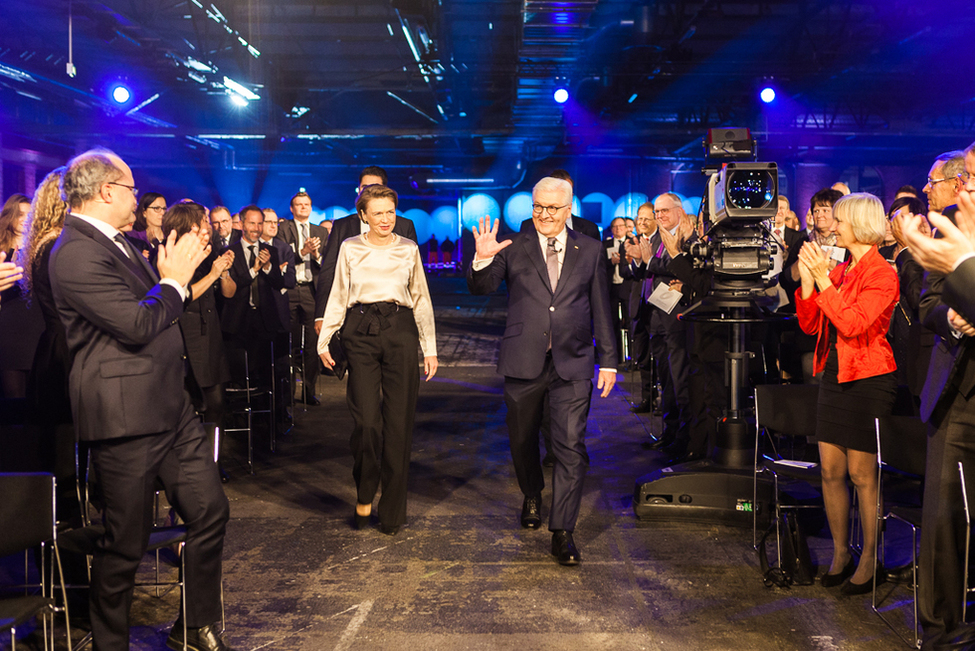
(311, 400)
(903, 575)
(531, 512)
(657, 444)
(833, 580)
(564, 548)
(549, 460)
(389, 530)
(644, 407)
(361, 521)
(851, 589)
(197, 639)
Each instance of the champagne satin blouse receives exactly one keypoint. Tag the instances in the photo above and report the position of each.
(366, 273)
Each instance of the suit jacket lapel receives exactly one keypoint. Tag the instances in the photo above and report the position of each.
(132, 266)
(534, 253)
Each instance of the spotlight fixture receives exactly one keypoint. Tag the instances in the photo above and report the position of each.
(561, 95)
(237, 100)
(767, 95)
(121, 94)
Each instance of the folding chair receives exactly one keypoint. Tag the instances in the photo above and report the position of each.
(241, 400)
(901, 451)
(27, 521)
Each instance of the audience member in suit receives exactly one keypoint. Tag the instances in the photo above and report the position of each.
(344, 228)
(307, 242)
(200, 323)
(557, 301)
(382, 305)
(619, 287)
(631, 269)
(668, 336)
(257, 317)
(129, 402)
(224, 234)
(948, 397)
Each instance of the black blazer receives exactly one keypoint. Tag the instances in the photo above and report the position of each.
(579, 225)
(218, 246)
(343, 229)
(128, 365)
(574, 312)
(288, 233)
(274, 311)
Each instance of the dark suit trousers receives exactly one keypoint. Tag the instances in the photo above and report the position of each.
(668, 343)
(126, 469)
(619, 307)
(302, 302)
(569, 411)
(640, 352)
(941, 565)
(384, 377)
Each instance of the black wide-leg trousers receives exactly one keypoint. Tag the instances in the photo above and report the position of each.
(384, 377)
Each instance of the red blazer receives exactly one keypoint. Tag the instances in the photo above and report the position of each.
(859, 305)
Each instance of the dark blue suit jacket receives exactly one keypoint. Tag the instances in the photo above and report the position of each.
(128, 358)
(274, 311)
(574, 312)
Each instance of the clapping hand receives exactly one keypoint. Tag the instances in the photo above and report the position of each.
(224, 262)
(9, 272)
(486, 239)
(633, 250)
(671, 242)
(311, 246)
(178, 259)
(957, 239)
(959, 323)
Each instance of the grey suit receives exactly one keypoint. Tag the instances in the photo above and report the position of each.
(129, 403)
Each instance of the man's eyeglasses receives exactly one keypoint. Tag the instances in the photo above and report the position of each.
(135, 190)
(537, 208)
(934, 182)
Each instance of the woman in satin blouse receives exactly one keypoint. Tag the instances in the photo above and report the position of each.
(381, 304)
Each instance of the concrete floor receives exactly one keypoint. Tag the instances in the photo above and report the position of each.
(462, 574)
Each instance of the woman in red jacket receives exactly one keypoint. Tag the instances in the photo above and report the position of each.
(850, 309)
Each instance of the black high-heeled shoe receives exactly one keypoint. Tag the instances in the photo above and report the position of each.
(832, 580)
(851, 589)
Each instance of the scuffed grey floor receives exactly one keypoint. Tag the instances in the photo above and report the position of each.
(463, 574)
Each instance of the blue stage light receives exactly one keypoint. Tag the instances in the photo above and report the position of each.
(121, 94)
(561, 95)
(768, 95)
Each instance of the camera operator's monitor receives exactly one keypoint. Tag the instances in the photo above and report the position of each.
(745, 193)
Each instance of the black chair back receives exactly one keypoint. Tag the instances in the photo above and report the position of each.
(788, 409)
(26, 510)
(903, 444)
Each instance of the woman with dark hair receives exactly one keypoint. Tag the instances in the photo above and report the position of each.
(849, 309)
(21, 323)
(200, 323)
(147, 233)
(380, 302)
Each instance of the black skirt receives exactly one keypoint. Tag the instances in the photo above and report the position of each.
(846, 411)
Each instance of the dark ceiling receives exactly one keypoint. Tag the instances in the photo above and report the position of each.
(470, 90)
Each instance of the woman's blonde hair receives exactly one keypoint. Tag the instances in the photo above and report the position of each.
(866, 215)
(45, 219)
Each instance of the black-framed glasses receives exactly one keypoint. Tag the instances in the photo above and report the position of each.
(537, 208)
(135, 190)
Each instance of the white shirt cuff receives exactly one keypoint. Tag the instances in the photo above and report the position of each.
(481, 264)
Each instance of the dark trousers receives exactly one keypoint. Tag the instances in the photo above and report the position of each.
(126, 469)
(302, 303)
(619, 308)
(384, 377)
(941, 564)
(640, 351)
(568, 413)
(668, 343)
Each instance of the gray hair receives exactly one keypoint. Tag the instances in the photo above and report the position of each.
(549, 184)
(866, 215)
(954, 164)
(86, 174)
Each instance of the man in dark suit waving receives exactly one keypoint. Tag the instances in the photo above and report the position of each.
(343, 229)
(128, 400)
(557, 300)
